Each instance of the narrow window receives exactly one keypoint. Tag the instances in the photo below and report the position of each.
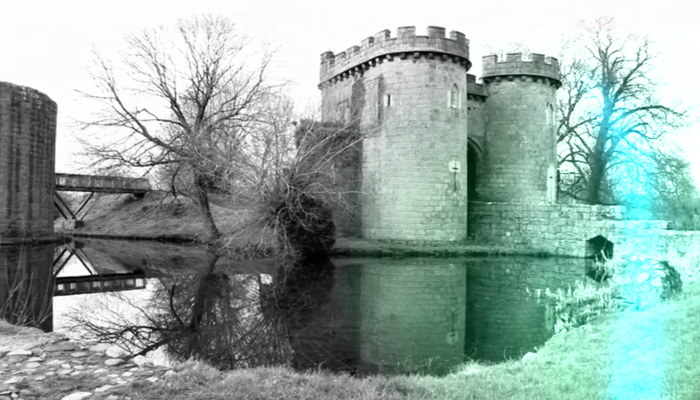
(387, 100)
(454, 97)
(550, 114)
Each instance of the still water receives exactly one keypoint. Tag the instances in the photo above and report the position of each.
(358, 315)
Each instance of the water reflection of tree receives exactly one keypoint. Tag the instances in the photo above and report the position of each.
(230, 320)
(296, 301)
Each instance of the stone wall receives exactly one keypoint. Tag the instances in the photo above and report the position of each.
(476, 105)
(564, 229)
(27, 147)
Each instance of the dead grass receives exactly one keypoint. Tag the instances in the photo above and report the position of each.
(14, 337)
(160, 216)
(198, 382)
(157, 215)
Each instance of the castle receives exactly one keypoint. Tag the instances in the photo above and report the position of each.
(434, 138)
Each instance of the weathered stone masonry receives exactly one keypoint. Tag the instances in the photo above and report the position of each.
(519, 141)
(407, 95)
(411, 98)
(565, 229)
(27, 147)
(436, 140)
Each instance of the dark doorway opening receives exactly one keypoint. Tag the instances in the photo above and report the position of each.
(599, 248)
(472, 157)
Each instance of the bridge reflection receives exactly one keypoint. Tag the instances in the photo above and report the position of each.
(31, 276)
(90, 277)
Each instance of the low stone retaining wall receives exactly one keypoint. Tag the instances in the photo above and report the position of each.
(565, 229)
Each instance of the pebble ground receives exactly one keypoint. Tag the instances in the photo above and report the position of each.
(99, 369)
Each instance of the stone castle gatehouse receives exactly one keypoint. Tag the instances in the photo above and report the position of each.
(434, 138)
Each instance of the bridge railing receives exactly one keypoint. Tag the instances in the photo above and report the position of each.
(102, 184)
(92, 184)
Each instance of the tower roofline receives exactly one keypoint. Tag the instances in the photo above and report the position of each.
(375, 49)
(516, 65)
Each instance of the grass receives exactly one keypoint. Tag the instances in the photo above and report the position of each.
(637, 355)
(160, 216)
(197, 381)
(157, 216)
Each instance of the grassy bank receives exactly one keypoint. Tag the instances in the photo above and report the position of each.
(158, 216)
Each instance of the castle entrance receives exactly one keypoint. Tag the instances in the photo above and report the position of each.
(472, 159)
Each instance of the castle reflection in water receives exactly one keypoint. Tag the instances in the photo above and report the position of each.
(360, 315)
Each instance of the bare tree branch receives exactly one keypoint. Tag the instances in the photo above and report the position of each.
(611, 121)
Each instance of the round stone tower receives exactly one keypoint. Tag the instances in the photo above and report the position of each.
(27, 147)
(519, 160)
(407, 96)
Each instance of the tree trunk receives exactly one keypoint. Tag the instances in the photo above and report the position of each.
(200, 307)
(212, 232)
(599, 160)
(594, 183)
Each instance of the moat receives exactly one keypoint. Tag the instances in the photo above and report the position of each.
(361, 315)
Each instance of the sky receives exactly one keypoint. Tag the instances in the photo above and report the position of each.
(47, 45)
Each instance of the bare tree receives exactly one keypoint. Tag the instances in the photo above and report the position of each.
(612, 125)
(185, 97)
(290, 177)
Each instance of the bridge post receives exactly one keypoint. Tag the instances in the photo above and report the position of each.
(75, 219)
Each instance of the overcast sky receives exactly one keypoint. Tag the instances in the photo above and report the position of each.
(47, 44)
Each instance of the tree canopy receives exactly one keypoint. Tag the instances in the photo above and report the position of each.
(195, 103)
(615, 134)
(185, 98)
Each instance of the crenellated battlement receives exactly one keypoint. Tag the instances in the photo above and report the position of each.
(538, 66)
(475, 91)
(382, 47)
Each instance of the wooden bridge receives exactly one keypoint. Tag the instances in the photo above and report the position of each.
(93, 184)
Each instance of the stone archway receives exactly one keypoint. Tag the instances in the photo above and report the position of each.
(599, 248)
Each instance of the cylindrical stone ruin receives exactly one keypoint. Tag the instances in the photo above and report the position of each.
(27, 155)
